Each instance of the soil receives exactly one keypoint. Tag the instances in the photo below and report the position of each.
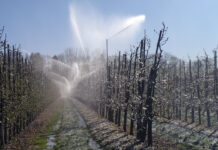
(24, 139)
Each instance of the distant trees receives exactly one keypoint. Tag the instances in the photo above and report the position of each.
(24, 90)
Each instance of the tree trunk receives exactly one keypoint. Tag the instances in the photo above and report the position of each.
(151, 87)
(141, 85)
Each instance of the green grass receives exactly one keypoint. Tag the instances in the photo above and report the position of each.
(40, 141)
(185, 146)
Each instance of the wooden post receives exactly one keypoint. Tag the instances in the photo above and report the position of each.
(206, 92)
(191, 91)
(180, 90)
(198, 91)
(215, 83)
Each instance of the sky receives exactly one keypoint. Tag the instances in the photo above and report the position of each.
(46, 26)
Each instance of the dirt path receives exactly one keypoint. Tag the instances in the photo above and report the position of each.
(80, 128)
(73, 133)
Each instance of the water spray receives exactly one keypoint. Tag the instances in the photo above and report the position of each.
(66, 82)
(75, 26)
(128, 23)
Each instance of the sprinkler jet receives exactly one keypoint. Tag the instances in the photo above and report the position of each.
(129, 22)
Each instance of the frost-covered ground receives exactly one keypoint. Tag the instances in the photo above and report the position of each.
(73, 132)
(167, 135)
(187, 136)
(75, 126)
(107, 134)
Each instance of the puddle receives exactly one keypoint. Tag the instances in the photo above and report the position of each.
(82, 123)
(57, 126)
(51, 142)
(94, 145)
(51, 138)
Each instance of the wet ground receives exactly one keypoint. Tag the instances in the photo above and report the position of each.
(73, 132)
(34, 136)
(166, 135)
(107, 134)
(51, 138)
(186, 137)
(76, 127)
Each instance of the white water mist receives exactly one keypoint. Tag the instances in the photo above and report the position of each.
(90, 29)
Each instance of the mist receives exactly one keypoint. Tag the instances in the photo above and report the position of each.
(67, 76)
(90, 29)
